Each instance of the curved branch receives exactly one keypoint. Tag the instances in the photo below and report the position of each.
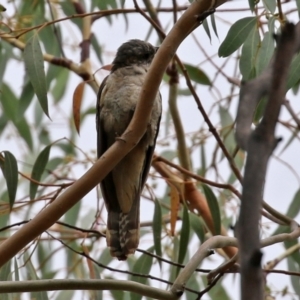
(84, 284)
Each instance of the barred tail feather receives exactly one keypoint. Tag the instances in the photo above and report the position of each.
(122, 234)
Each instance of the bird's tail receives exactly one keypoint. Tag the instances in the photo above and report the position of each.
(122, 234)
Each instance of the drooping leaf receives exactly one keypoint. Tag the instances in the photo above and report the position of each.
(174, 257)
(2, 8)
(196, 74)
(237, 35)
(214, 208)
(10, 172)
(157, 228)
(60, 85)
(184, 236)
(198, 226)
(38, 170)
(206, 28)
(294, 207)
(213, 24)
(252, 4)
(270, 5)
(294, 72)
(142, 266)
(32, 275)
(77, 100)
(298, 6)
(265, 53)
(97, 48)
(5, 271)
(249, 55)
(292, 212)
(16, 270)
(25, 99)
(227, 129)
(34, 62)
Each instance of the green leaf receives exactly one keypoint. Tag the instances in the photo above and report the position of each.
(227, 131)
(5, 271)
(34, 62)
(72, 214)
(270, 5)
(2, 8)
(237, 35)
(213, 24)
(265, 53)
(9, 102)
(25, 132)
(157, 228)
(206, 28)
(214, 208)
(97, 48)
(196, 74)
(10, 172)
(298, 7)
(252, 4)
(25, 99)
(142, 266)
(32, 275)
(194, 285)
(203, 167)
(10, 107)
(60, 86)
(249, 54)
(184, 237)
(294, 73)
(294, 267)
(174, 255)
(38, 170)
(218, 292)
(292, 212)
(294, 207)
(16, 270)
(198, 226)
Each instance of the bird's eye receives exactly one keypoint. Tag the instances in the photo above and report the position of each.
(146, 56)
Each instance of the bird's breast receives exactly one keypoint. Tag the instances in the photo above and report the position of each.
(119, 99)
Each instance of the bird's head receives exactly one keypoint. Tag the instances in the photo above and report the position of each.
(134, 52)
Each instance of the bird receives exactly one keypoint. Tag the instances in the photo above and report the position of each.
(122, 187)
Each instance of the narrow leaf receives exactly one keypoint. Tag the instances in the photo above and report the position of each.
(213, 24)
(249, 54)
(2, 8)
(34, 62)
(157, 228)
(265, 53)
(206, 28)
(198, 226)
(237, 35)
(270, 5)
(252, 4)
(10, 172)
(184, 236)
(77, 99)
(294, 73)
(214, 208)
(38, 169)
(142, 266)
(196, 74)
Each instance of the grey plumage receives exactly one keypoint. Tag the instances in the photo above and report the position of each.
(122, 187)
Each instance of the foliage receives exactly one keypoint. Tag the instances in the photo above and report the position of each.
(51, 51)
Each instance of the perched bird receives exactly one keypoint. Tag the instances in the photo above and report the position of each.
(122, 187)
